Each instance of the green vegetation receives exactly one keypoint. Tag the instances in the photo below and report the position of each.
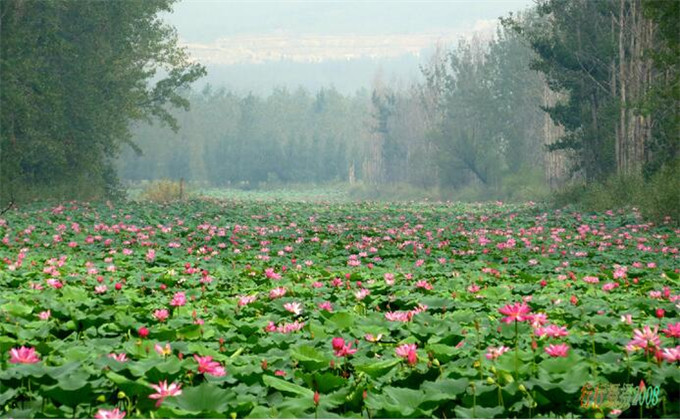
(74, 76)
(254, 307)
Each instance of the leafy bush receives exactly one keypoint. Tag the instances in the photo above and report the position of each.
(657, 198)
(164, 191)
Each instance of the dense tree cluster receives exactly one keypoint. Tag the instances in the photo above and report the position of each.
(474, 120)
(74, 74)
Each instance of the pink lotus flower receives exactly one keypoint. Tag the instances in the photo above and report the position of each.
(645, 339)
(591, 279)
(338, 343)
(100, 289)
(327, 306)
(24, 355)
(552, 331)
(673, 330)
(109, 414)
(515, 312)
(163, 391)
(270, 274)
(163, 351)
(494, 353)
(343, 350)
(408, 352)
(45, 315)
(161, 314)
(627, 319)
(423, 284)
(208, 366)
(609, 287)
(557, 350)
(473, 288)
(246, 300)
(537, 320)
(179, 299)
(620, 271)
(293, 307)
(290, 327)
(361, 294)
(151, 255)
(122, 357)
(389, 279)
(671, 354)
(54, 283)
(398, 316)
(373, 338)
(277, 293)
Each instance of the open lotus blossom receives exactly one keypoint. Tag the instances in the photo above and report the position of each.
(515, 312)
(423, 284)
(286, 328)
(161, 314)
(45, 315)
(208, 366)
(373, 338)
(179, 299)
(109, 414)
(326, 306)
(163, 351)
(671, 355)
(557, 350)
(24, 355)
(495, 352)
(163, 391)
(591, 279)
(246, 300)
(537, 320)
(552, 331)
(361, 294)
(610, 286)
(293, 307)
(389, 279)
(672, 330)
(277, 293)
(122, 357)
(270, 274)
(408, 352)
(398, 316)
(646, 339)
(100, 289)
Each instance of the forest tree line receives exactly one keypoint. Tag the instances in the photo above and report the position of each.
(569, 90)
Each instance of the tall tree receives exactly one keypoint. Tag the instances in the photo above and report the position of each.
(74, 76)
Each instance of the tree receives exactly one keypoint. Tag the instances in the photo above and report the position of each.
(74, 76)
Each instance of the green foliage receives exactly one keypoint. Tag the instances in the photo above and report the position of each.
(656, 198)
(250, 141)
(218, 251)
(490, 124)
(164, 190)
(74, 75)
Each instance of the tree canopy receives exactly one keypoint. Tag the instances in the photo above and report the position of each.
(74, 76)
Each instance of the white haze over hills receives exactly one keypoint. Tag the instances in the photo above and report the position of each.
(257, 46)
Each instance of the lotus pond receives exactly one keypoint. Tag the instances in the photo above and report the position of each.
(264, 308)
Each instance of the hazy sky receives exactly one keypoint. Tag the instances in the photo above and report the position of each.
(224, 34)
(207, 20)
